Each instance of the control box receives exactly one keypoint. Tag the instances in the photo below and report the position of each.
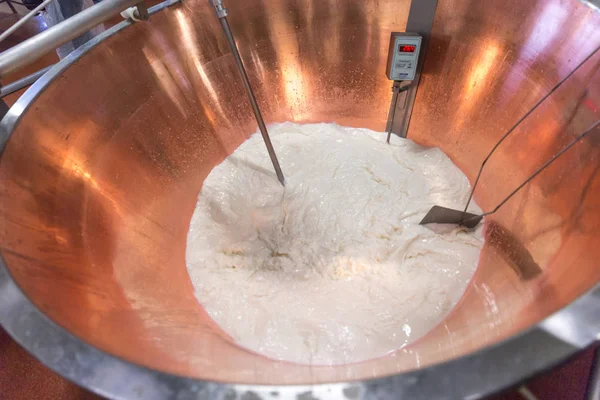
(403, 56)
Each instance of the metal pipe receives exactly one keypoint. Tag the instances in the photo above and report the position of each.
(222, 15)
(23, 82)
(392, 111)
(22, 21)
(420, 20)
(32, 49)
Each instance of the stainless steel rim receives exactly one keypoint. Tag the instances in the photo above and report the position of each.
(473, 376)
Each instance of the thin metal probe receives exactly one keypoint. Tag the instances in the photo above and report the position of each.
(521, 120)
(222, 15)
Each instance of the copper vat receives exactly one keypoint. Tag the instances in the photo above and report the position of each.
(108, 151)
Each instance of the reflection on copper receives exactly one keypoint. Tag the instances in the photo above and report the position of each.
(478, 80)
(79, 170)
(189, 40)
(331, 47)
(167, 83)
(583, 40)
(548, 25)
(190, 44)
(549, 21)
(543, 135)
(295, 83)
(257, 63)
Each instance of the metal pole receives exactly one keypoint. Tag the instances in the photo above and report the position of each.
(222, 15)
(420, 20)
(23, 82)
(23, 20)
(397, 88)
(392, 111)
(32, 49)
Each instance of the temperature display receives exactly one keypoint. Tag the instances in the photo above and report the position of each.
(403, 56)
(406, 48)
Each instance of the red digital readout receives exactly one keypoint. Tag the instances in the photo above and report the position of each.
(405, 48)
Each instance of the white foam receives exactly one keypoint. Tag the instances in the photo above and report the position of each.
(334, 268)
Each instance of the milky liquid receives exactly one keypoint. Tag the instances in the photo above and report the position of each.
(334, 268)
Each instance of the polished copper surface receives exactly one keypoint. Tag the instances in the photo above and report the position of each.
(101, 176)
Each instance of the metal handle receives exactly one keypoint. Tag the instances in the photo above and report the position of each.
(539, 170)
(23, 82)
(511, 130)
(34, 48)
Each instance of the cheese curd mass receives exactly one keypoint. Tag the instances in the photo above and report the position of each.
(334, 268)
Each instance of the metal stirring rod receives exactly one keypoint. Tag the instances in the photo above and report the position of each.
(222, 15)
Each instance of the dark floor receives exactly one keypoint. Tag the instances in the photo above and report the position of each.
(568, 382)
(23, 377)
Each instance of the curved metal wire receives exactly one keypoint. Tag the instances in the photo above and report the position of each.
(546, 164)
(511, 130)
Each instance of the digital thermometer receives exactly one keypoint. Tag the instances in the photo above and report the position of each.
(403, 56)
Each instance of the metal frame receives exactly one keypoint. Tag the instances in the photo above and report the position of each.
(23, 82)
(594, 4)
(476, 375)
(23, 20)
(35, 47)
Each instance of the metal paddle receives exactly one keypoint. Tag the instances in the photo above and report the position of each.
(443, 215)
